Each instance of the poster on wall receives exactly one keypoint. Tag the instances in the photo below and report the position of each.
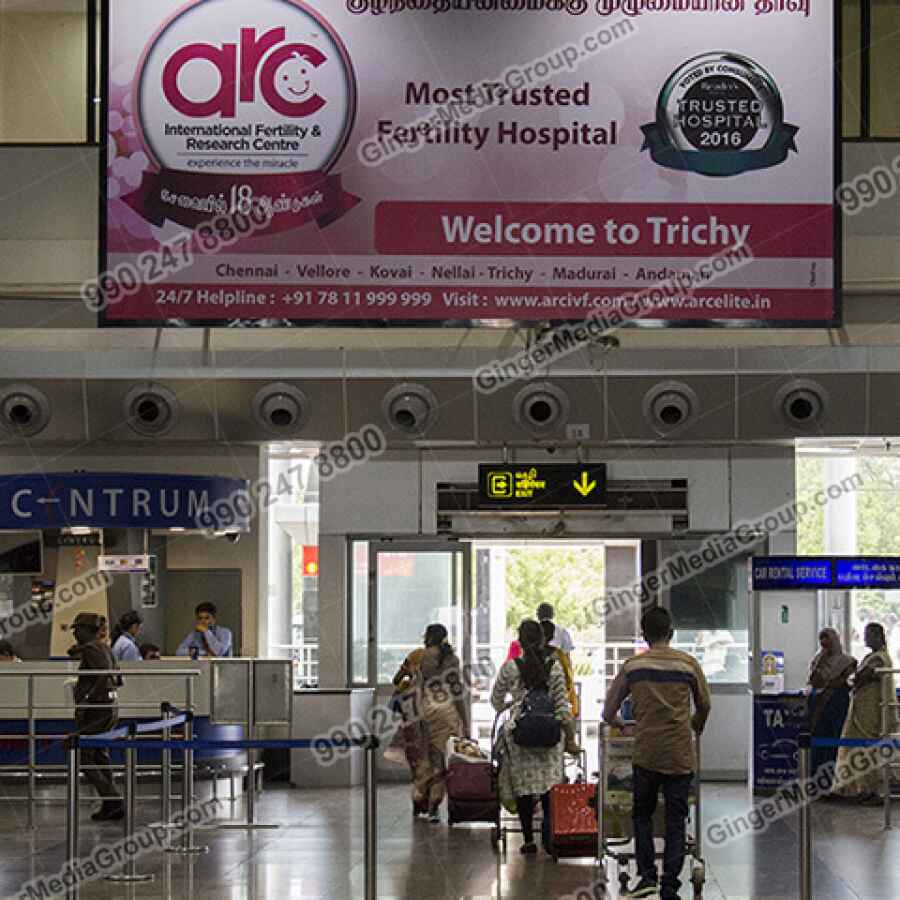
(289, 162)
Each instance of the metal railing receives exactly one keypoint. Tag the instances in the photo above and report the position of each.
(32, 768)
(130, 739)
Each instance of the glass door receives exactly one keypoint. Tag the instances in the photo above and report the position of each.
(411, 586)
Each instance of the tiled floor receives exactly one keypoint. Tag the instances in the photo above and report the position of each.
(317, 853)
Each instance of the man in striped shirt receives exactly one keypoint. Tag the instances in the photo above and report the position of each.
(662, 683)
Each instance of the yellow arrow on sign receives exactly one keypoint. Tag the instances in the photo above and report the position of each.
(584, 487)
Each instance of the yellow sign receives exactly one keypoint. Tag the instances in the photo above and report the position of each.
(584, 486)
(520, 484)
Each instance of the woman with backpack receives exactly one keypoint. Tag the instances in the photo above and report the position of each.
(531, 745)
(442, 714)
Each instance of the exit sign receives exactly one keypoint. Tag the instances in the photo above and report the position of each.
(542, 486)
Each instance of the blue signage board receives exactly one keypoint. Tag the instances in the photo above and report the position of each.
(123, 500)
(778, 720)
(867, 572)
(786, 573)
(804, 573)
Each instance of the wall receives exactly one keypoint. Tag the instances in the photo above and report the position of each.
(43, 77)
(183, 551)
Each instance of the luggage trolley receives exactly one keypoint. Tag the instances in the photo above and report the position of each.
(506, 823)
(616, 829)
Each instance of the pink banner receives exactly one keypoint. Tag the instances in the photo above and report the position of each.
(191, 200)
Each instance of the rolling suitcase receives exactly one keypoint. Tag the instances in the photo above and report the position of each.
(573, 820)
(471, 791)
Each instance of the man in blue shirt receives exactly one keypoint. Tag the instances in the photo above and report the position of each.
(207, 638)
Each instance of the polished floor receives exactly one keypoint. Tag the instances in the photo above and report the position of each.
(317, 852)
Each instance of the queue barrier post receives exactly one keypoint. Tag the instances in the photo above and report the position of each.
(130, 873)
(166, 763)
(888, 717)
(72, 811)
(370, 836)
(187, 845)
(803, 742)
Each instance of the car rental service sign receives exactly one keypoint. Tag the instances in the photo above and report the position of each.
(282, 162)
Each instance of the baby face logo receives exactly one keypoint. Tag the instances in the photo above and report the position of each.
(218, 93)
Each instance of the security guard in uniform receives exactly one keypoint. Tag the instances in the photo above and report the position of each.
(94, 653)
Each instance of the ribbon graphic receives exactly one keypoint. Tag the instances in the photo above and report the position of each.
(191, 199)
(718, 162)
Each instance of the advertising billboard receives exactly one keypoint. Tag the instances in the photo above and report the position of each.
(280, 162)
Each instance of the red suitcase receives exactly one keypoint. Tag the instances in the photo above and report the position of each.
(573, 820)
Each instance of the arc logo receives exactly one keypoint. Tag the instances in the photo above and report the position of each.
(262, 87)
(284, 73)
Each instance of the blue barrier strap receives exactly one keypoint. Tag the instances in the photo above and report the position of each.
(149, 727)
(107, 737)
(854, 742)
(298, 744)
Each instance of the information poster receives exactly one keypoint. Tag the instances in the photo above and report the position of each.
(280, 162)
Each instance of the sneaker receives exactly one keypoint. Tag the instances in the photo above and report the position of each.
(434, 817)
(111, 811)
(528, 849)
(644, 888)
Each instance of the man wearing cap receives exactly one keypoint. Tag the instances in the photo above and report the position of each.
(96, 708)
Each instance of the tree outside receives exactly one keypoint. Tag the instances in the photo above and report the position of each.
(571, 579)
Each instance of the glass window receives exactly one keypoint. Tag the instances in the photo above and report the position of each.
(885, 63)
(851, 67)
(414, 590)
(43, 71)
(359, 633)
(710, 611)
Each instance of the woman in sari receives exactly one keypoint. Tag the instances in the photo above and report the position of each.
(864, 721)
(406, 740)
(829, 674)
(443, 716)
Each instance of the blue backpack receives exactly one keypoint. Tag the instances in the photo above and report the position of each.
(537, 725)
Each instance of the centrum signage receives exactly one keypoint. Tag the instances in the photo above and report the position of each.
(119, 500)
(551, 486)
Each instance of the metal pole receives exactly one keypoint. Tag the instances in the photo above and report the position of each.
(601, 791)
(187, 782)
(32, 755)
(698, 819)
(72, 812)
(887, 715)
(129, 873)
(251, 752)
(166, 775)
(371, 822)
(805, 829)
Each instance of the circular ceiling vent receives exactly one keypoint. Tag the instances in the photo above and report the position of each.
(670, 406)
(281, 409)
(802, 404)
(541, 408)
(410, 409)
(151, 410)
(24, 410)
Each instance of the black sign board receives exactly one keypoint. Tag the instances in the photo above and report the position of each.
(542, 486)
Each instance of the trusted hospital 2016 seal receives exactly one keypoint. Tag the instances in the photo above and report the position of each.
(719, 114)
(240, 104)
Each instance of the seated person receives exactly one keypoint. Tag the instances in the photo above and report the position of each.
(150, 651)
(125, 635)
(207, 638)
(7, 653)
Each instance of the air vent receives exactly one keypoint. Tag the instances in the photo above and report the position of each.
(802, 404)
(24, 410)
(410, 409)
(281, 409)
(541, 408)
(670, 406)
(151, 410)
